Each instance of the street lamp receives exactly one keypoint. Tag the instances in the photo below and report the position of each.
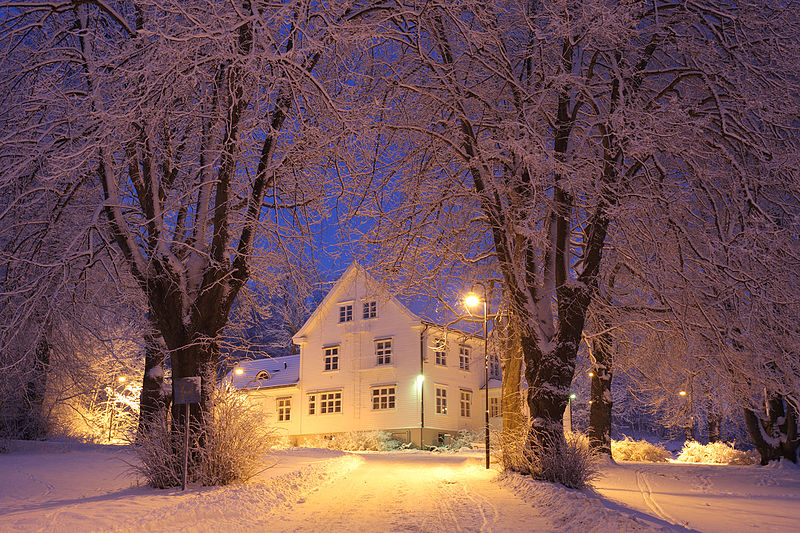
(572, 396)
(473, 300)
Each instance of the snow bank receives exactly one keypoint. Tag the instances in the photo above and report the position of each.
(572, 510)
(715, 453)
(638, 450)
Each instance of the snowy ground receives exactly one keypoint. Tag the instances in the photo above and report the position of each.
(74, 488)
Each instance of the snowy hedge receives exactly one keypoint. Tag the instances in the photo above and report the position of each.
(638, 450)
(716, 452)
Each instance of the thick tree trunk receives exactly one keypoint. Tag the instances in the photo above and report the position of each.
(601, 402)
(775, 436)
(33, 421)
(152, 400)
(515, 424)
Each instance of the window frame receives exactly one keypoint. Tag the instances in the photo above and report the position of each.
(383, 355)
(330, 361)
(369, 309)
(345, 312)
(495, 409)
(383, 397)
(494, 367)
(283, 405)
(439, 353)
(440, 394)
(465, 403)
(464, 356)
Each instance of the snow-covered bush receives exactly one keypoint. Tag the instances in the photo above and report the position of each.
(716, 452)
(234, 445)
(569, 461)
(628, 449)
(464, 439)
(354, 441)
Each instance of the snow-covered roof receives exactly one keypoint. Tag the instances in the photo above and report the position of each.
(266, 373)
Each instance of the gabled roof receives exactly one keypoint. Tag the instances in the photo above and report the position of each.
(282, 372)
(344, 281)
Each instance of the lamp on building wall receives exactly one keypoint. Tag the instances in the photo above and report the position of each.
(472, 300)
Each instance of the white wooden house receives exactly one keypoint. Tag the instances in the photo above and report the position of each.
(368, 363)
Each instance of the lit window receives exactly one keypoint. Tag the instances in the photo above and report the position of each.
(346, 313)
(331, 358)
(383, 398)
(383, 351)
(494, 367)
(330, 402)
(463, 357)
(494, 407)
(284, 409)
(466, 403)
(262, 375)
(440, 353)
(370, 310)
(441, 401)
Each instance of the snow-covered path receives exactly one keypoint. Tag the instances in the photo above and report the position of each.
(408, 492)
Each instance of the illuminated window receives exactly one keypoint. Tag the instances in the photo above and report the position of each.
(383, 351)
(439, 353)
(383, 398)
(494, 367)
(330, 402)
(331, 358)
(346, 313)
(284, 409)
(262, 375)
(463, 357)
(441, 401)
(494, 407)
(370, 310)
(466, 403)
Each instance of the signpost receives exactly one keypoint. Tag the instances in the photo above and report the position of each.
(187, 391)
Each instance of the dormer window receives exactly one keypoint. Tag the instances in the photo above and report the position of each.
(345, 313)
(370, 310)
(262, 375)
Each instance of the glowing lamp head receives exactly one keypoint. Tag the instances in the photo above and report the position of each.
(238, 371)
(573, 396)
(591, 374)
(420, 379)
(682, 393)
(472, 300)
(122, 379)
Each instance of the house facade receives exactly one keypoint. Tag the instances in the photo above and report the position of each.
(368, 363)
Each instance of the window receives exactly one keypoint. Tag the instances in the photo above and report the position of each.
(383, 351)
(329, 402)
(346, 313)
(284, 409)
(262, 375)
(383, 398)
(370, 310)
(466, 403)
(439, 353)
(494, 407)
(331, 358)
(441, 401)
(463, 357)
(494, 367)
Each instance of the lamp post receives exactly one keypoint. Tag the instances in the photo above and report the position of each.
(572, 396)
(472, 300)
(113, 404)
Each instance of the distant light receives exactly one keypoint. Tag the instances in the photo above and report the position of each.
(122, 379)
(472, 300)
(420, 379)
(238, 371)
(682, 393)
(573, 396)
(591, 374)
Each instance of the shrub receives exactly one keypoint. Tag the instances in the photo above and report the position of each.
(355, 441)
(235, 443)
(715, 452)
(569, 461)
(638, 450)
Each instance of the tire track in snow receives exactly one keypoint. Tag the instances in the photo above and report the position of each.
(649, 500)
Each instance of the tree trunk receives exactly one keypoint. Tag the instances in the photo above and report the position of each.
(515, 425)
(601, 402)
(776, 435)
(34, 420)
(152, 400)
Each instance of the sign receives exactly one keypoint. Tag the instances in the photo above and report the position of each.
(187, 390)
